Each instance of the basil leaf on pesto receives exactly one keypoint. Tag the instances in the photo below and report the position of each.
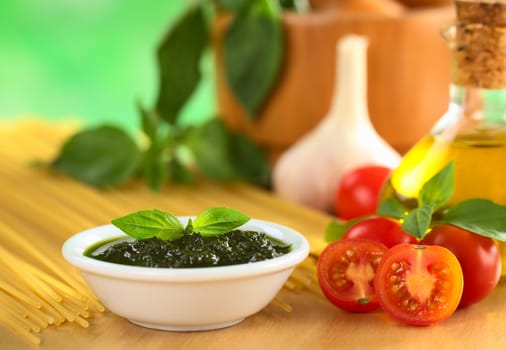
(150, 223)
(146, 224)
(218, 220)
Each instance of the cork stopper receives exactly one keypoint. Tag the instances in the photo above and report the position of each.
(480, 44)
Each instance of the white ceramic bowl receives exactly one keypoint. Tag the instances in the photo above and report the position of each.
(186, 299)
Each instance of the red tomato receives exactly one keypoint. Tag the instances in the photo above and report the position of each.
(346, 271)
(418, 284)
(380, 229)
(478, 256)
(359, 190)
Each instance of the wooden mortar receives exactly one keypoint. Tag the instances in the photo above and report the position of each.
(408, 76)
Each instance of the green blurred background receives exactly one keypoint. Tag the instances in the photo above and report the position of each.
(92, 59)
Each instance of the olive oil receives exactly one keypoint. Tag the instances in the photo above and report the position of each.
(480, 167)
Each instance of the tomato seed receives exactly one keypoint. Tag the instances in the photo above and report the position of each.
(394, 278)
(443, 285)
(341, 283)
(413, 306)
(395, 287)
(350, 253)
(439, 299)
(337, 276)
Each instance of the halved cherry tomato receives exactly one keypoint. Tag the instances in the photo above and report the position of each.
(359, 190)
(418, 284)
(346, 271)
(380, 229)
(478, 256)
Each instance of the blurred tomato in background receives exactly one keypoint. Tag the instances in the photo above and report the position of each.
(359, 189)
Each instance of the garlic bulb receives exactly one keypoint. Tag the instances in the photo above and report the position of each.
(310, 170)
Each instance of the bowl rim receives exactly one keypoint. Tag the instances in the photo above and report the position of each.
(74, 247)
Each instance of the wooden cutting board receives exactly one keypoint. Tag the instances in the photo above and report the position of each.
(42, 206)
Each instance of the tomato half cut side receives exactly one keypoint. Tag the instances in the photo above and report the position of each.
(419, 285)
(346, 270)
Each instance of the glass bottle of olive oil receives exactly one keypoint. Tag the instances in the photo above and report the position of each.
(472, 133)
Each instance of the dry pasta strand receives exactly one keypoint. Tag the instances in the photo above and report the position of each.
(280, 303)
(19, 294)
(16, 328)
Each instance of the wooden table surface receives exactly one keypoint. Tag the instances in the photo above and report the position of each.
(36, 203)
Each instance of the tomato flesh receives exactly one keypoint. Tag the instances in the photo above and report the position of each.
(419, 285)
(346, 270)
(479, 258)
(380, 229)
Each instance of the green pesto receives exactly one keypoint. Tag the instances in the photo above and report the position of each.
(232, 248)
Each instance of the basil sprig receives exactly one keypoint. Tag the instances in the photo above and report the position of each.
(146, 224)
(480, 216)
(107, 156)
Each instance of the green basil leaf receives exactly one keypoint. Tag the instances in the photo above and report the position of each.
(103, 156)
(480, 216)
(179, 57)
(248, 161)
(209, 143)
(335, 230)
(438, 190)
(150, 223)
(226, 156)
(253, 47)
(418, 221)
(393, 208)
(218, 220)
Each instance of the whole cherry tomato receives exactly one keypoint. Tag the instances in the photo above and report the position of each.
(359, 190)
(478, 256)
(346, 271)
(419, 284)
(380, 229)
